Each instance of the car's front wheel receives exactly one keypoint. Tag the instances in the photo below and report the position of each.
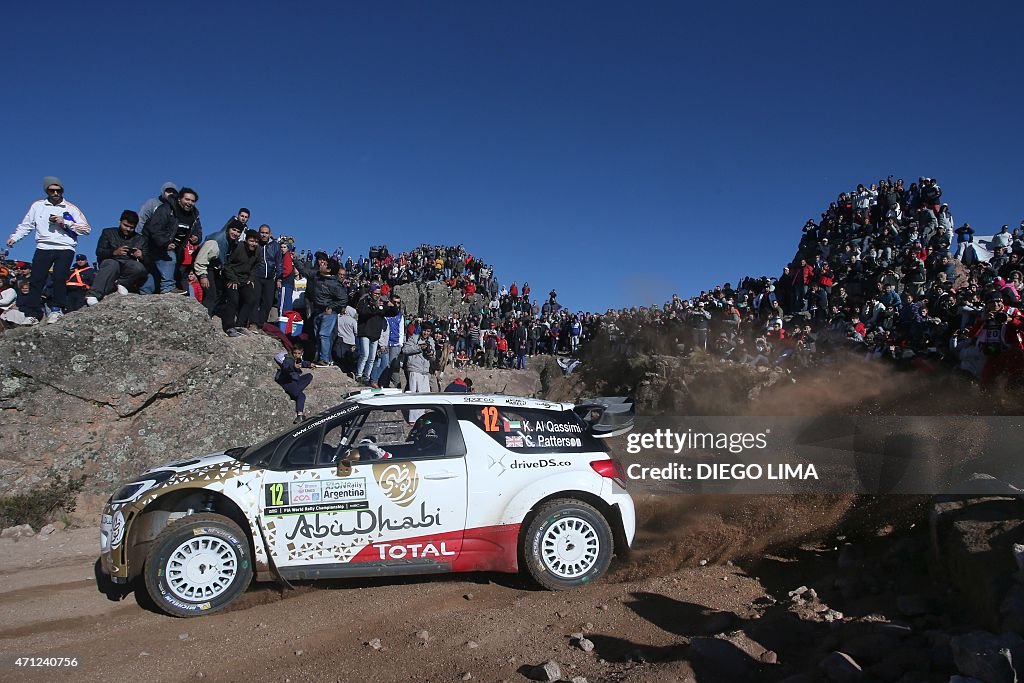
(197, 565)
(568, 543)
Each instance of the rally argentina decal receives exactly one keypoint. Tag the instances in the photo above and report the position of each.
(303, 497)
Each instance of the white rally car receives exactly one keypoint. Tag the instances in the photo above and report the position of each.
(383, 484)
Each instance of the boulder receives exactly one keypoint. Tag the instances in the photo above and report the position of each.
(988, 657)
(974, 538)
(434, 300)
(134, 382)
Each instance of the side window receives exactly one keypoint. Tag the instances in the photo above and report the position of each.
(337, 438)
(300, 451)
(528, 430)
(386, 433)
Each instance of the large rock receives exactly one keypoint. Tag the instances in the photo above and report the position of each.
(974, 538)
(987, 657)
(134, 382)
(433, 300)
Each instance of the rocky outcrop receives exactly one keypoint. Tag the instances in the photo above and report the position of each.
(133, 382)
(434, 300)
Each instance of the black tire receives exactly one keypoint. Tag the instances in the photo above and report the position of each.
(168, 570)
(590, 545)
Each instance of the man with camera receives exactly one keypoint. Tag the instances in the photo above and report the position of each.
(372, 312)
(119, 254)
(57, 224)
(419, 351)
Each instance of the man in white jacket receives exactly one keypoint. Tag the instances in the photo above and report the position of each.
(57, 224)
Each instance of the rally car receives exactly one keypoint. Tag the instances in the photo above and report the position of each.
(385, 483)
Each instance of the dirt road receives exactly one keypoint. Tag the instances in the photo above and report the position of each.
(647, 621)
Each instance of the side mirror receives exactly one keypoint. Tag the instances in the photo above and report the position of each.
(348, 458)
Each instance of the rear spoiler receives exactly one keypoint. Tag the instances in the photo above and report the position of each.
(607, 416)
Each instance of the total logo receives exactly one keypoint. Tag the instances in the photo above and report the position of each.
(389, 551)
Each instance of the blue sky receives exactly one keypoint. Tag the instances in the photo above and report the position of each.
(618, 152)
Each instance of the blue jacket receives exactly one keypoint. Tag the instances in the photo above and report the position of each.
(270, 262)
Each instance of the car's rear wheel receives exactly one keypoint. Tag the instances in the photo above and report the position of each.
(197, 565)
(568, 544)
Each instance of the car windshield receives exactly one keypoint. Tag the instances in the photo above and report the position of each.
(259, 454)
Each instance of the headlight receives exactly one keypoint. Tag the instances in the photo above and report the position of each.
(134, 489)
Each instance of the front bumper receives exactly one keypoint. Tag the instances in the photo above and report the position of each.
(112, 537)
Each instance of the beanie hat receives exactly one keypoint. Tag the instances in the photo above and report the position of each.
(51, 180)
(168, 186)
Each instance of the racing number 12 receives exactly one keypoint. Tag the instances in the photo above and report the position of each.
(277, 494)
(490, 414)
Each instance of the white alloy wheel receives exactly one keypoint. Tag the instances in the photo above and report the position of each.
(201, 568)
(198, 565)
(567, 544)
(570, 547)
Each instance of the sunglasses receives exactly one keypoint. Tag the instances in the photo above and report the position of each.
(54, 190)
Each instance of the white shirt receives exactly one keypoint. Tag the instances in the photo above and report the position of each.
(51, 235)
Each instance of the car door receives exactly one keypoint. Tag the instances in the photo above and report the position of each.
(402, 504)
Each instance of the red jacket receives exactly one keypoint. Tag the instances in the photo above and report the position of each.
(805, 275)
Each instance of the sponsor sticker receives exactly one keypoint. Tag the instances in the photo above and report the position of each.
(312, 508)
(344, 489)
(398, 481)
(300, 492)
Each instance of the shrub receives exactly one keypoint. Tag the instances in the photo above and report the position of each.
(37, 506)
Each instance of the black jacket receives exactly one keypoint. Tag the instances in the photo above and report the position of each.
(371, 317)
(111, 239)
(240, 265)
(169, 223)
(330, 293)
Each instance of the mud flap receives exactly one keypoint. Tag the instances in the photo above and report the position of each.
(270, 559)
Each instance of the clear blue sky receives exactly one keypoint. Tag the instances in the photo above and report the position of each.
(621, 152)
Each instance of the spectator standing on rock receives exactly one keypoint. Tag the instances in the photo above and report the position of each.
(419, 351)
(698, 322)
(240, 293)
(166, 232)
(168, 191)
(392, 339)
(242, 217)
(345, 349)
(57, 224)
(268, 276)
(331, 300)
(287, 278)
(119, 254)
(372, 313)
(209, 263)
(290, 377)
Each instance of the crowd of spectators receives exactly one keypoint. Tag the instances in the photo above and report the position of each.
(879, 275)
(345, 313)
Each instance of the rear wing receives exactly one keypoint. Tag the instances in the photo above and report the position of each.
(607, 416)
